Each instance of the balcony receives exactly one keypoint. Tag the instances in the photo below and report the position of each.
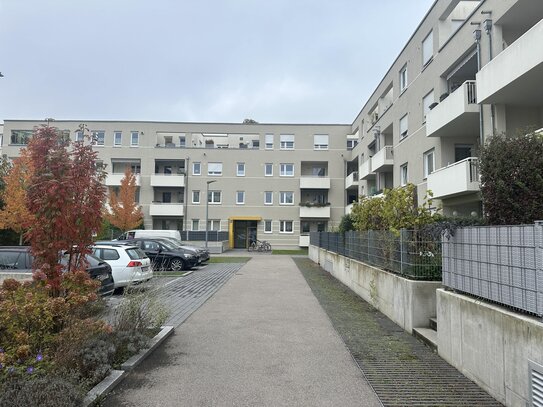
(351, 180)
(456, 179)
(166, 209)
(315, 212)
(457, 115)
(511, 76)
(383, 161)
(303, 241)
(365, 170)
(314, 182)
(167, 180)
(114, 179)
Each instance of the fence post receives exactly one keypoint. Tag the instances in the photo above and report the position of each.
(401, 250)
(539, 265)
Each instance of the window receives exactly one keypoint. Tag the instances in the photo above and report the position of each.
(318, 171)
(269, 142)
(305, 227)
(428, 48)
(182, 141)
(426, 102)
(268, 198)
(134, 138)
(320, 142)
(267, 226)
(214, 169)
(214, 224)
(214, 197)
(403, 175)
(99, 137)
(196, 168)
(20, 136)
(79, 136)
(117, 138)
(287, 142)
(240, 169)
(351, 144)
(256, 144)
(429, 162)
(195, 197)
(195, 224)
(135, 168)
(287, 170)
(403, 78)
(286, 198)
(285, 226)
(403, 127)
(166, 197)
(240, 197)
(268, 169)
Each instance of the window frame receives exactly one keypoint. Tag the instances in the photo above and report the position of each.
(213, 172)
(115, 134)
(238, 172)
(266, 196)
(266, 223)
(199, 165)
(283, 195)
(403, 79)
(132, 134)
(425, 156)
(425, 107)
(424, 47)
(266, 166)
(404, 134)
(100, 142)
(283, 170)
(286, 141)
(267, 144)
(195, 222)
(238, 202)
(198, 193)
(404, 170)
(321, 145)
(282, 226)
(211, 196)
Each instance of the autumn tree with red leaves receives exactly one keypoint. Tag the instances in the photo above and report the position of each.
(66, 196)
(15, 215)
(124, 212)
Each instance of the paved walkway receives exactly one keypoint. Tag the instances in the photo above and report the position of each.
(262, 340)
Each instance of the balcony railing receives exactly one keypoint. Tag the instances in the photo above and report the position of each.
(114, 179)
(315, 212)
(459, 178)
(365, 170)
(457, 115)
(166, 209)
(167, 180)
(310, 182)
(351, 180)
(383, 160)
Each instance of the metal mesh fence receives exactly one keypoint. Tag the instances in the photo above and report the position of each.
(500, 263)
(199, 235)
(409, 253)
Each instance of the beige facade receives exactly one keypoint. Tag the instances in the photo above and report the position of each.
(470, 70)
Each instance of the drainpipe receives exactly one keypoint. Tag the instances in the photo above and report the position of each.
(187, 161)
(487, 25)
(477, 36)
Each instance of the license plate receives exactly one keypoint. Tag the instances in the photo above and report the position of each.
(102, 277)
(145, 268)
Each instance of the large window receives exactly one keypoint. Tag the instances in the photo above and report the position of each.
(429, 162)
(99, 137)
(134, 138)
(268, 169)
(117, 138)
(287, 142)
(428, 48)
(20, 137)
(240, 169)
(287, 170)
(403, 78)
(403, 127)
(285, 226)
(268, 198)
(426, 103)
(240, 197)
(214, 169)
(269, 142)
(286, 198)
(214, 197)
(320, 141)
(403, 175)
(196, 168)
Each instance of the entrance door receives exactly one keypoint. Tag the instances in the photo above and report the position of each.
(244, 233)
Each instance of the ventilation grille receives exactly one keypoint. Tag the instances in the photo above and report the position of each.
(536, 384)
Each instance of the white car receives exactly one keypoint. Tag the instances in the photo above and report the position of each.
(129, 264)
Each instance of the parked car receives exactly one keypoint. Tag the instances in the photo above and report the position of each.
(202, 253)
(129, 264)
(166, 256)
(19, 259)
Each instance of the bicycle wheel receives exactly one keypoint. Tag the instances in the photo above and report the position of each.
(252, 247)
(267, 247)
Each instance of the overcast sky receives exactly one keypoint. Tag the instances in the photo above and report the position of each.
(282, 61)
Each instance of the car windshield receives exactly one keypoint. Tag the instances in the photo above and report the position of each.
(136, 253)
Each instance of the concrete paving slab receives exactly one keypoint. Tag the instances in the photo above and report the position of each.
(262, 340)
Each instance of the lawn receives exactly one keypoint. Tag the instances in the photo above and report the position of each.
(227, 259)
(296, 252)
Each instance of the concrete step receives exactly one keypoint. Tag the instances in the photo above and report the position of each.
(428, 336)
(433, 324)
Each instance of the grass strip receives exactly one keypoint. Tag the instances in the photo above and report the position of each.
(227, 259)
(296, 252)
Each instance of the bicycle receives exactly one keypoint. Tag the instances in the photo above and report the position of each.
(259, 246)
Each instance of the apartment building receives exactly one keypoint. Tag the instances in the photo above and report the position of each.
(470, 70)
(273, 182)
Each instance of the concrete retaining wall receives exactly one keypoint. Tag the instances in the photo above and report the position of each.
(4, 275)
(408, 303)
(489, 344)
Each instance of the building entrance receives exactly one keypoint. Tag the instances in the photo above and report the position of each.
(244, 233)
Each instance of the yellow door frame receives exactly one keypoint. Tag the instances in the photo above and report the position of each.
(231, 226)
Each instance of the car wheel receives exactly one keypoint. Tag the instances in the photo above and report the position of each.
(177, 264)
